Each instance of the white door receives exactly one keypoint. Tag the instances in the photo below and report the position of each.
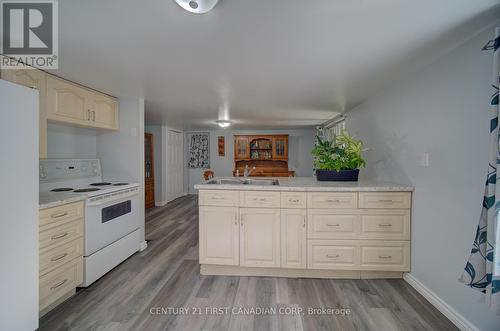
(260, 237)
(19, 207)
(175, 175)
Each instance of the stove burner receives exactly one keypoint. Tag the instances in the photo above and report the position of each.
(100, 184)
(62, 189)
(120, 184)
(86, 190)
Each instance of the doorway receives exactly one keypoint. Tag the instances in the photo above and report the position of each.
(149, 181)
(175, 162)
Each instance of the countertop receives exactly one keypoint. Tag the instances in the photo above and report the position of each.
(310, 184)
(54, 199)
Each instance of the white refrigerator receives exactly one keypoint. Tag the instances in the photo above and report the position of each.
(18, 207)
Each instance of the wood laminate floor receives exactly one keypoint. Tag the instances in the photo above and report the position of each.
(166, 276)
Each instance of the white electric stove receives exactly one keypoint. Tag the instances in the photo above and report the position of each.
(111, 211)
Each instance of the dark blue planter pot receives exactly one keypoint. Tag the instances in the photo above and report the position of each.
(338, 176)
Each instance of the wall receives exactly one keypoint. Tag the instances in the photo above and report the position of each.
(443, 111)
(19, 205)
(122, 152)
(65, 141)
(300, 143)
(155, 130)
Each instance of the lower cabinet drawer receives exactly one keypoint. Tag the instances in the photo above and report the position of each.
(376, 255)
(385, 200)
(57, 283)
(332, 224)
(332, 200)
(260, 199)
(293, 200)
(385, 255)
(52, 258)
(332, 254)
(218, 198)
(61, 214)
(61, 234)
(393, 224)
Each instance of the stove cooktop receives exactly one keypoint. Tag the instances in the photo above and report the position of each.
(62, 189)
(101, 184)
(90, 189)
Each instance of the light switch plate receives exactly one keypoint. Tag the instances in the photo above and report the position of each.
(133, 132)
(424, 159)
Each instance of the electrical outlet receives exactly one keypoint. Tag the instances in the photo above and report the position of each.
(424, 159)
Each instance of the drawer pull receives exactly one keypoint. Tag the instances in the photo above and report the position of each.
(336, 256)
(59, 236)
(59, 284)
(385, 225)
(385, 257)
(385, 200)
(59, 215)
(259, 199)
(336, 224)
(217, 198)
(333, 200)
(57, 258)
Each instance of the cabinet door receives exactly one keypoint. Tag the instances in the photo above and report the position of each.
(280, 148)
(293, 238)
(104, 113)
(260, 237)
(33, 78)
(219, 236)
(67, 102)
(241, 148)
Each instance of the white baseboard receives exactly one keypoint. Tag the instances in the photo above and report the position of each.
(455, 317)
(160, 203)
(143, 246)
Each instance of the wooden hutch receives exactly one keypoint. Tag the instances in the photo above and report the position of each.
(267, 153)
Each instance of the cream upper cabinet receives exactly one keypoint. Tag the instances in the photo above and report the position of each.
(32, 78)
(105, 111)
(293, 238)
(67, 102)
(260, 237)
(219, 235)
(73, 104)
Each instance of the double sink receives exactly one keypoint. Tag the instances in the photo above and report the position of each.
(245, 181)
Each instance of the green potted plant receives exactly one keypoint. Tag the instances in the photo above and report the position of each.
(338, 159)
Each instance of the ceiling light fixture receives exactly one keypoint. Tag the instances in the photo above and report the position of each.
(223, 123)
(197, 6)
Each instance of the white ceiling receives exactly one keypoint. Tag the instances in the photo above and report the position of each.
(270, 64)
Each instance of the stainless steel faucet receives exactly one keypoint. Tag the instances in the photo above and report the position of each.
(247, 171)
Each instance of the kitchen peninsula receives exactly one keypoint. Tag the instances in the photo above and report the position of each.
(299, 227)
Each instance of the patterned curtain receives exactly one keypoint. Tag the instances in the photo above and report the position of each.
(482, 271)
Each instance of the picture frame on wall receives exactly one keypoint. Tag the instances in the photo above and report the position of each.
(221, 145)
